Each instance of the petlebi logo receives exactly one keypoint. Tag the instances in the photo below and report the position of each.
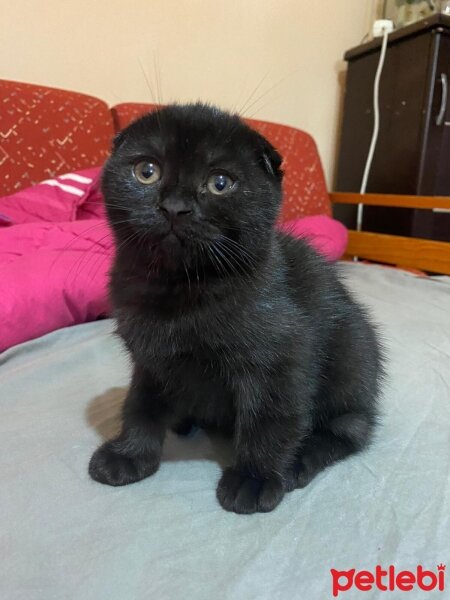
(388, 580)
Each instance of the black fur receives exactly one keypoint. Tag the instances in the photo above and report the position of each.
(230, 325)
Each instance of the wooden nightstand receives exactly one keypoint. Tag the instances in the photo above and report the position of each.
(413, 151)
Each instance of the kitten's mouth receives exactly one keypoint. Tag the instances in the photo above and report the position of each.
(172, 237)
(166, 236)
(170, 244)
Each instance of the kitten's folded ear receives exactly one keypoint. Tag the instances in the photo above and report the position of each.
(118, 140)
(270, 159)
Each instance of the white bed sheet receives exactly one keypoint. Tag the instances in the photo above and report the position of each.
(63, 536)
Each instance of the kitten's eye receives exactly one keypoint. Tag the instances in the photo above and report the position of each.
(219, 183)
(147, 172)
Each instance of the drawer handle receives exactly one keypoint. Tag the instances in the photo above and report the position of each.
(441, 114)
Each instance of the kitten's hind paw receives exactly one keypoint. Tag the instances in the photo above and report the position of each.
(240, 493)
(111, 465)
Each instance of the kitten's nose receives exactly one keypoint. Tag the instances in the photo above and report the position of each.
(174, 208)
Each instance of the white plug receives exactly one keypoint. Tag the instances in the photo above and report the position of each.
(382, 25)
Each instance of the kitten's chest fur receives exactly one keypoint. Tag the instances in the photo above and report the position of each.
(190, 359)
(197, 352)
(206, 326)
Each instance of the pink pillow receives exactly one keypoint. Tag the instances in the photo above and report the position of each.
(57, 277)
(62, 199)
(326, 235)
(55, 253)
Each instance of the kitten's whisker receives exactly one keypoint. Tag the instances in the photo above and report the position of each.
(97, 264)
(236, 262)
(243, 256)
(238, 250)
(241, 110)
(196, 270)
(86, 256)
(235, 244)
(215, 260)
(158, 79)
(152, 97)
(137, 245)
(202, 258)
(260, 108)
(68, 246)
(234, 106)
(153, 263)
(227, 258)
(109, 205)
(187, 275)
(74, 240)
(272, 87)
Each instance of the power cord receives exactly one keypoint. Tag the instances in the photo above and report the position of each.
(386, 28)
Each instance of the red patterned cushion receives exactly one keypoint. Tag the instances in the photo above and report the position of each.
(305, 191)
(45, 132)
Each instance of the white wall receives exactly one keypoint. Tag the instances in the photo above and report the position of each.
(286, 52)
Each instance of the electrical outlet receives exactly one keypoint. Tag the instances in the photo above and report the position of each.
(382, 25)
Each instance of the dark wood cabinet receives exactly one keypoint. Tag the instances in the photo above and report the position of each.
(412, 155)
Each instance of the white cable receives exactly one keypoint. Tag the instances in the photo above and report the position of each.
(376, 127)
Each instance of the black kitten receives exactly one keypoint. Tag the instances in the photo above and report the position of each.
(230, 324)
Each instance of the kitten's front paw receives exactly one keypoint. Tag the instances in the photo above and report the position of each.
(111, 465)
(240, 493)
(299, 476)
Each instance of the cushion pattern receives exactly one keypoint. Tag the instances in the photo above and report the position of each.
(45, 132)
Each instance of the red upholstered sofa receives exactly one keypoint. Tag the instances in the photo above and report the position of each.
(73, 131)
